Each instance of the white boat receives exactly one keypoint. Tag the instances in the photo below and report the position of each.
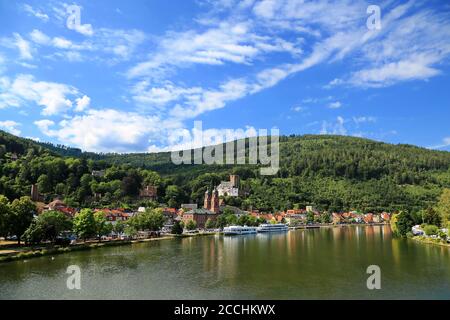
(272, 227)
(236, 230)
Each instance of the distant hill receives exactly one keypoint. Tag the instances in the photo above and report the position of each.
(331, 172)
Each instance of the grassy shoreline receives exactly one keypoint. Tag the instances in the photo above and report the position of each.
(425, 240)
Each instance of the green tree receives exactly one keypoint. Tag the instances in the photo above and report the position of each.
(191, 225)
(21, 215)
(44, 184)
(443, 206)
(177, 228)
(47, 226)
(310, 217)
(325, 217)
(431, 230)
(403, 222)
(221, 221)
(431, 216)
(84, 224)
(102, 227)
(151, 219)
(4, 215)
(210, 224)
(119, 227)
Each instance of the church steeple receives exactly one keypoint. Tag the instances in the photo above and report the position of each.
(207, 203)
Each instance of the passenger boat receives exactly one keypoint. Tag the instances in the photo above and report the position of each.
(236, 230)
(273, 227)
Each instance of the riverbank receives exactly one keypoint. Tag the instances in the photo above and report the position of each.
(24, 253)
(426, 240)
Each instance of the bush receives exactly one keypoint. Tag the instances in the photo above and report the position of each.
(431, 230)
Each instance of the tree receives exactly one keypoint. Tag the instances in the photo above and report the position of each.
(84, 224)
(221, 221)
(310, 217)
(431, 230)
(119, 227)
(4, 215)
(191, 225)
(151, 219)
(210, 224)
(47, 226)
(431, 216)
(177, 228)
(21, 215)
(131, 184)
(44, 184)
(326, 217)
(443, 206)
(102, 227)
(403, 222)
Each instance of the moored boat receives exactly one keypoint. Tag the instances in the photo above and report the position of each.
(237, 230)
(273, 227)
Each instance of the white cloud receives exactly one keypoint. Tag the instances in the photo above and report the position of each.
(23, 46)
(36, 13)
(82, 103)
(336, 127)
(120, 44)
(105, 130)
(10, 126)
(217, 45)
(445, 143)
(53, 97)
(84, 29)
(335, 105)
(364, 119)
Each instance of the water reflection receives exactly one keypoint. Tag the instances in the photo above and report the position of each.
(318, 263)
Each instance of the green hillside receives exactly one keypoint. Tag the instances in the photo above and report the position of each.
(329, 172)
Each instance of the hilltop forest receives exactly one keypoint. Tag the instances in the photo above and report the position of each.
(332, 173)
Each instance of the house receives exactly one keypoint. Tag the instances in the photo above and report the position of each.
(229, 188)
(59, 205)
(148, 193)
(385, 216)
(114, 215)
(200, 216)
(337, 218)
(368, 218)
(189, 206)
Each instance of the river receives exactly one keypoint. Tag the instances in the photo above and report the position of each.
(326, 263)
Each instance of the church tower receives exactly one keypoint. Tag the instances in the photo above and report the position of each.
(207, 203)
(215, 201)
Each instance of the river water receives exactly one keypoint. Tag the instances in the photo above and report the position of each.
(326, 263)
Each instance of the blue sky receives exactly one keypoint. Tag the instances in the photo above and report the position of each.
(135, 74)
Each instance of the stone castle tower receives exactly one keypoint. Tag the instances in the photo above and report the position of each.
(234, 179)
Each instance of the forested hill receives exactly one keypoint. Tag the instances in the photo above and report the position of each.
(330, 172)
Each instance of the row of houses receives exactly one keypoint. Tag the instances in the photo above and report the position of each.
(202, 215)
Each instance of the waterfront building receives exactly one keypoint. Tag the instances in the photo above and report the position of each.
(200, 216)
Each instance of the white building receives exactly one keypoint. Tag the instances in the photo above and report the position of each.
(229, 188)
